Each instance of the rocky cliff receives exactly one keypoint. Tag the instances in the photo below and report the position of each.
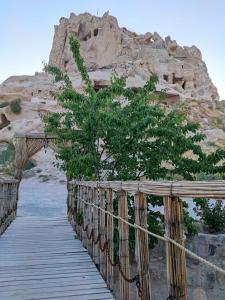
(106, 47)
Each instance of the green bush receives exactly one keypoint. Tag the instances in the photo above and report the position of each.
(29, 165)
(4, 104)
(7, 155)
(15, 106)
(212, 214)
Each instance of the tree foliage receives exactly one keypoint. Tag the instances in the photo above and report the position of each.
(212, 213)
(124, 133)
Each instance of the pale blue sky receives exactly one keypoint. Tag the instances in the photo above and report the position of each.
(27, 28)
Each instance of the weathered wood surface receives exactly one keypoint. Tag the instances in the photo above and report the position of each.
(190, 189)
(41, 259)
(8, 203)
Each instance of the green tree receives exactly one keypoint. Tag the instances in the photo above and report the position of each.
(212, 213)
(124, 133)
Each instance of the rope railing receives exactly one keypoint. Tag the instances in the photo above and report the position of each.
(162, 238)
(90, 210)
(8, 202)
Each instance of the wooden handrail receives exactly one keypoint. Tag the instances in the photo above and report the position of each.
(8, 202)
(8, 181)
(94, 226)
(189, 189)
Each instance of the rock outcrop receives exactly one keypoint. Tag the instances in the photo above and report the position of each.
(36, 95)
(106, 47)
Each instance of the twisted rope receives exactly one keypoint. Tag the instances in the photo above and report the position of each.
(162, 238)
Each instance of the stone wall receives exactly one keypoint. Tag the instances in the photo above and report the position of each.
(203, 282)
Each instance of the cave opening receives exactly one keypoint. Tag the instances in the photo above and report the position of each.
(95, 31)
(184, 85)
(166, 77)
(4, 122)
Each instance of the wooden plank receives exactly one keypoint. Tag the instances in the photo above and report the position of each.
(40, 259)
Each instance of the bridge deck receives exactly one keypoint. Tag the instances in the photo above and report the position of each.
(41, 259)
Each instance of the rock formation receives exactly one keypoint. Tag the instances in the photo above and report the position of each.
(36, 94)
(106, 47)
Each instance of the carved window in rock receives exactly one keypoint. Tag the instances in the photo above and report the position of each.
(87, 37)
(166, 77)
(4, 122)
(95, 32)
(66, 63)
(100, 84)
(178, 80)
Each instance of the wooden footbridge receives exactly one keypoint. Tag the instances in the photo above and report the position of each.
(42, 258)
(47, 258)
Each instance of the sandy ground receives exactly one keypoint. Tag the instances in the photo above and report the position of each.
(43, 189)
(45, 199)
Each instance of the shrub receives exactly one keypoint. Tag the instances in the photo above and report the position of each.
(4, 104)
(15, 106)
(212, 214)
(190, 225)
(7, 155)
(29, 165)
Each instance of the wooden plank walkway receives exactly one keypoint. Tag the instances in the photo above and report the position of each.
(40, 258)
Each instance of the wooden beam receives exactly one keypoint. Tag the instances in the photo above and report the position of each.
(124, 246)
(109, 236)
(176, 261)
(102, 231)
(142, 247)
(189, 189)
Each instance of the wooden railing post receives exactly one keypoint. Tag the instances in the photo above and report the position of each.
(15, 193)
(142, 248)
(8, 203)
(89, 219)
(84, 197)
(96, 226)
(124, 246)
(176, 263)
(78, 212)
(75, 204)
(109, 234)
(102, 262)
(70, 204)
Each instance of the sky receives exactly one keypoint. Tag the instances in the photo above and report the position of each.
(27, 28)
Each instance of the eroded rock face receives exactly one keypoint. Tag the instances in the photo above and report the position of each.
(37, 97)
(106, 47)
